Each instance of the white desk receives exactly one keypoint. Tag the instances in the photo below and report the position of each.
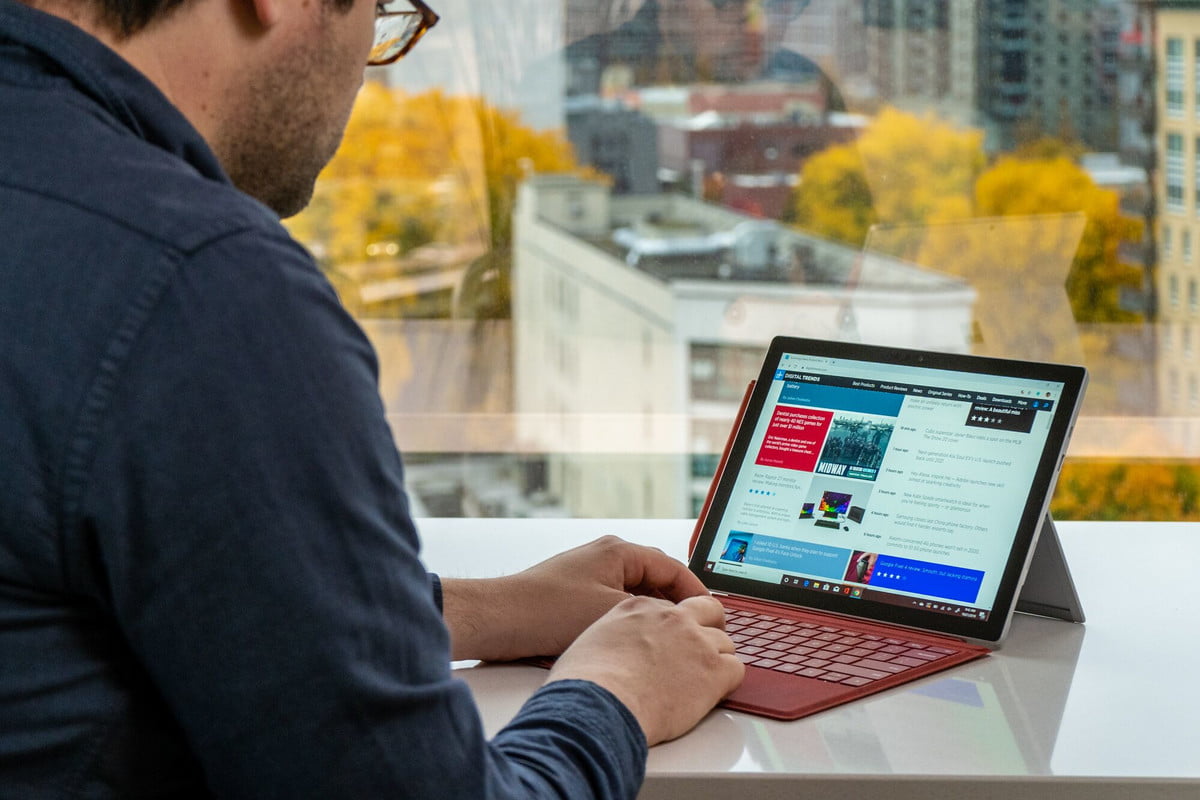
(1106, 709)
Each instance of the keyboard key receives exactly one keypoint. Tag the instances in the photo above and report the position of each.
(883, 666)
(833, 677)
(909, 662)
(859, 671)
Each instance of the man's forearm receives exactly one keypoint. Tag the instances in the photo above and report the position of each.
(482, 618)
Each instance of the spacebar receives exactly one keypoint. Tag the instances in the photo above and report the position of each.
(858, 672)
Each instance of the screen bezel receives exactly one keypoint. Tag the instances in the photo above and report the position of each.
(991, 630)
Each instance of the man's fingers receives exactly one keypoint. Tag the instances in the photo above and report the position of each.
(650, 571)
(721, 640)
(706, 610)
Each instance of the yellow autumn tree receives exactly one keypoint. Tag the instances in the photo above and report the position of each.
(903, 169)
(1016, 186)
(1134, 490)
(1009, 229)
(420, 168)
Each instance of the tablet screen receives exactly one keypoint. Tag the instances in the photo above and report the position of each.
(897, 485)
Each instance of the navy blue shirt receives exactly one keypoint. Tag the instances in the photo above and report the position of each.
(209, 578)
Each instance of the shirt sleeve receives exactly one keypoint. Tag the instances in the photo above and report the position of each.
(238, 508)
(435, 586)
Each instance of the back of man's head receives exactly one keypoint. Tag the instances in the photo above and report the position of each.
(127, 17)
(123, 18)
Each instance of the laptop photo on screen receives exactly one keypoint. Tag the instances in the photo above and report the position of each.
(876, 514)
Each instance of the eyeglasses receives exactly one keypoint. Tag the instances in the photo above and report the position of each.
(399, 25)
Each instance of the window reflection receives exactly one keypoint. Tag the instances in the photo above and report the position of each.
(571, 226)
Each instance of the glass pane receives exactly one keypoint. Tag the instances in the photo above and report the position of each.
(572, 226)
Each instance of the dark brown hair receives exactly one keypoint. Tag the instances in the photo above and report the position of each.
(127, 17)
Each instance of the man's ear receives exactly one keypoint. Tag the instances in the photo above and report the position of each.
(267, 12)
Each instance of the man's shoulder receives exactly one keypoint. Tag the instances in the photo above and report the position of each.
(83, 171)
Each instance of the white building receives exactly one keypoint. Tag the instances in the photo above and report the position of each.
(639, 320)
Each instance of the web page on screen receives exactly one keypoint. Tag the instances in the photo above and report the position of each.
(894, 483)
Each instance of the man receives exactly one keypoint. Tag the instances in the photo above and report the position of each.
(209, 583)
(696, 41)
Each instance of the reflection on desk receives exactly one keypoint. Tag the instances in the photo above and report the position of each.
(1109, 709)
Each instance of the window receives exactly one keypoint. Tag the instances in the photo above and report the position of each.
(1174, 77)
(1196, 176)
(1196, 76)
(721, 372)
(584, 231)
(1175, 172)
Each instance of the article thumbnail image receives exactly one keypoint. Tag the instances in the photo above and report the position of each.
(834, 503)
(735, 547)
(861, 567)
(855, 447)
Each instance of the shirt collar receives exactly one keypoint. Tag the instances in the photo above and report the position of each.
(121, 91)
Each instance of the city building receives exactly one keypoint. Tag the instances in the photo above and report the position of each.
(621, 142)
(908, 50)
(1177, 200)
(741, 146)
(639, 320)
(831, 33)
(1018, 68)
(1135, 83)
(751, 167)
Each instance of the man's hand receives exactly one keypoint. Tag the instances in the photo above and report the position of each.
(540, 611)
(668, 663)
